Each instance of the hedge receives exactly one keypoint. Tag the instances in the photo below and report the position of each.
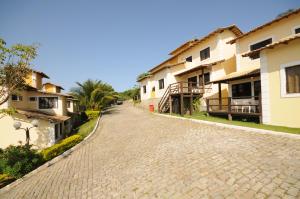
(60, 147)
(92, 114)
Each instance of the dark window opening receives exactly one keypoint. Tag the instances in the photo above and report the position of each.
(161, 84)
(48, 102)
(297, 30)
(56, 131)
(60, 129)
(189, 59)
(241, 90)
(32, 99)
(68, 104)
(16, 97)
(257, 89)
(258, 46)
(293, 79)
(192, 81)
(144, 89)
(205, 53)
(206, 79)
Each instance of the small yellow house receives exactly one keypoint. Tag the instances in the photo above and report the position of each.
(49, 107)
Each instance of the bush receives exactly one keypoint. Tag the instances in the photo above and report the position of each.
(92, 114)
(83, 117)
(5, 180)
(60, 147)
(16, 161)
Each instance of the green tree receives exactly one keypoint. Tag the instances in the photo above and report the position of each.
(130, 93)
(94, 94)
(14, 67)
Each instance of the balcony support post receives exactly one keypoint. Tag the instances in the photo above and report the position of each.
(220, 96)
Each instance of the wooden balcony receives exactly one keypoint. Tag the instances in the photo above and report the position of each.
(187, 88)
(241, 106)
(181, 90)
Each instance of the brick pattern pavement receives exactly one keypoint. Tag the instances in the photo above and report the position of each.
(135, 154)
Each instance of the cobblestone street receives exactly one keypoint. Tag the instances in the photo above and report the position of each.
(135, 154)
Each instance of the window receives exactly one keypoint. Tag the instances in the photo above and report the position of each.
(192, 81)
(297, 30)
(189, 59)
(161, 84)
(241, 90)
(144, 89)
(206, 79)
(60, 129)
(56, 131)
(68, 104)
(205, 54)
(48, 102)
(292, 79)
(258, 46)
(257, 89)
(153, 89)
(16, 98)
(32, 99)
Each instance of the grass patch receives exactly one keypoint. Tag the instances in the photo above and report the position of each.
(203, 116)
(85, 129)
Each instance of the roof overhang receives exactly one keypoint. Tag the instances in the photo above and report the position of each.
(273, 45)
(194, 69)
(264, 25)
(145, 77)
(41, 73)
(253, 72)
(58, 86)
(41, 115)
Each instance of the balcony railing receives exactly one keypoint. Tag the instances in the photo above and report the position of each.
(187, 88)
(235, 105)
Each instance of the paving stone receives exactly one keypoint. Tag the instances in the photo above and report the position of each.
(135, 154)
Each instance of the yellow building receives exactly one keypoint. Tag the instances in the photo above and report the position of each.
(47, 105)
(186, 75)
(266, 80)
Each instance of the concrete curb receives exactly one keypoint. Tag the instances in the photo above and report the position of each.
(248, 129)
(50, 162)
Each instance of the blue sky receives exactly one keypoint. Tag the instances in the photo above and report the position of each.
(114, 41)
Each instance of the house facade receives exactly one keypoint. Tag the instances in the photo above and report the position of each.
(260, 78)
(34, 102)
(186, 75)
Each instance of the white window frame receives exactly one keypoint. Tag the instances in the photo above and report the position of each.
(284, 94)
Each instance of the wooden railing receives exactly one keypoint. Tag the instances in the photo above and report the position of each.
(236, 105)
(187, 87)
(181, 88)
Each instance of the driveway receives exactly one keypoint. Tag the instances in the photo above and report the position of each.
(135, 154)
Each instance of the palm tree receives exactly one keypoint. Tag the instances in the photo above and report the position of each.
(94, 94)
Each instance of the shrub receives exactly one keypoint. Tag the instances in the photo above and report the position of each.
(83, 117)
(92, 114)
(60, 147)
(16, 161)
(5, 180)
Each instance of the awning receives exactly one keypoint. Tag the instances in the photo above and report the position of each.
(253, 72)
(41, 115)
(194, 69)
